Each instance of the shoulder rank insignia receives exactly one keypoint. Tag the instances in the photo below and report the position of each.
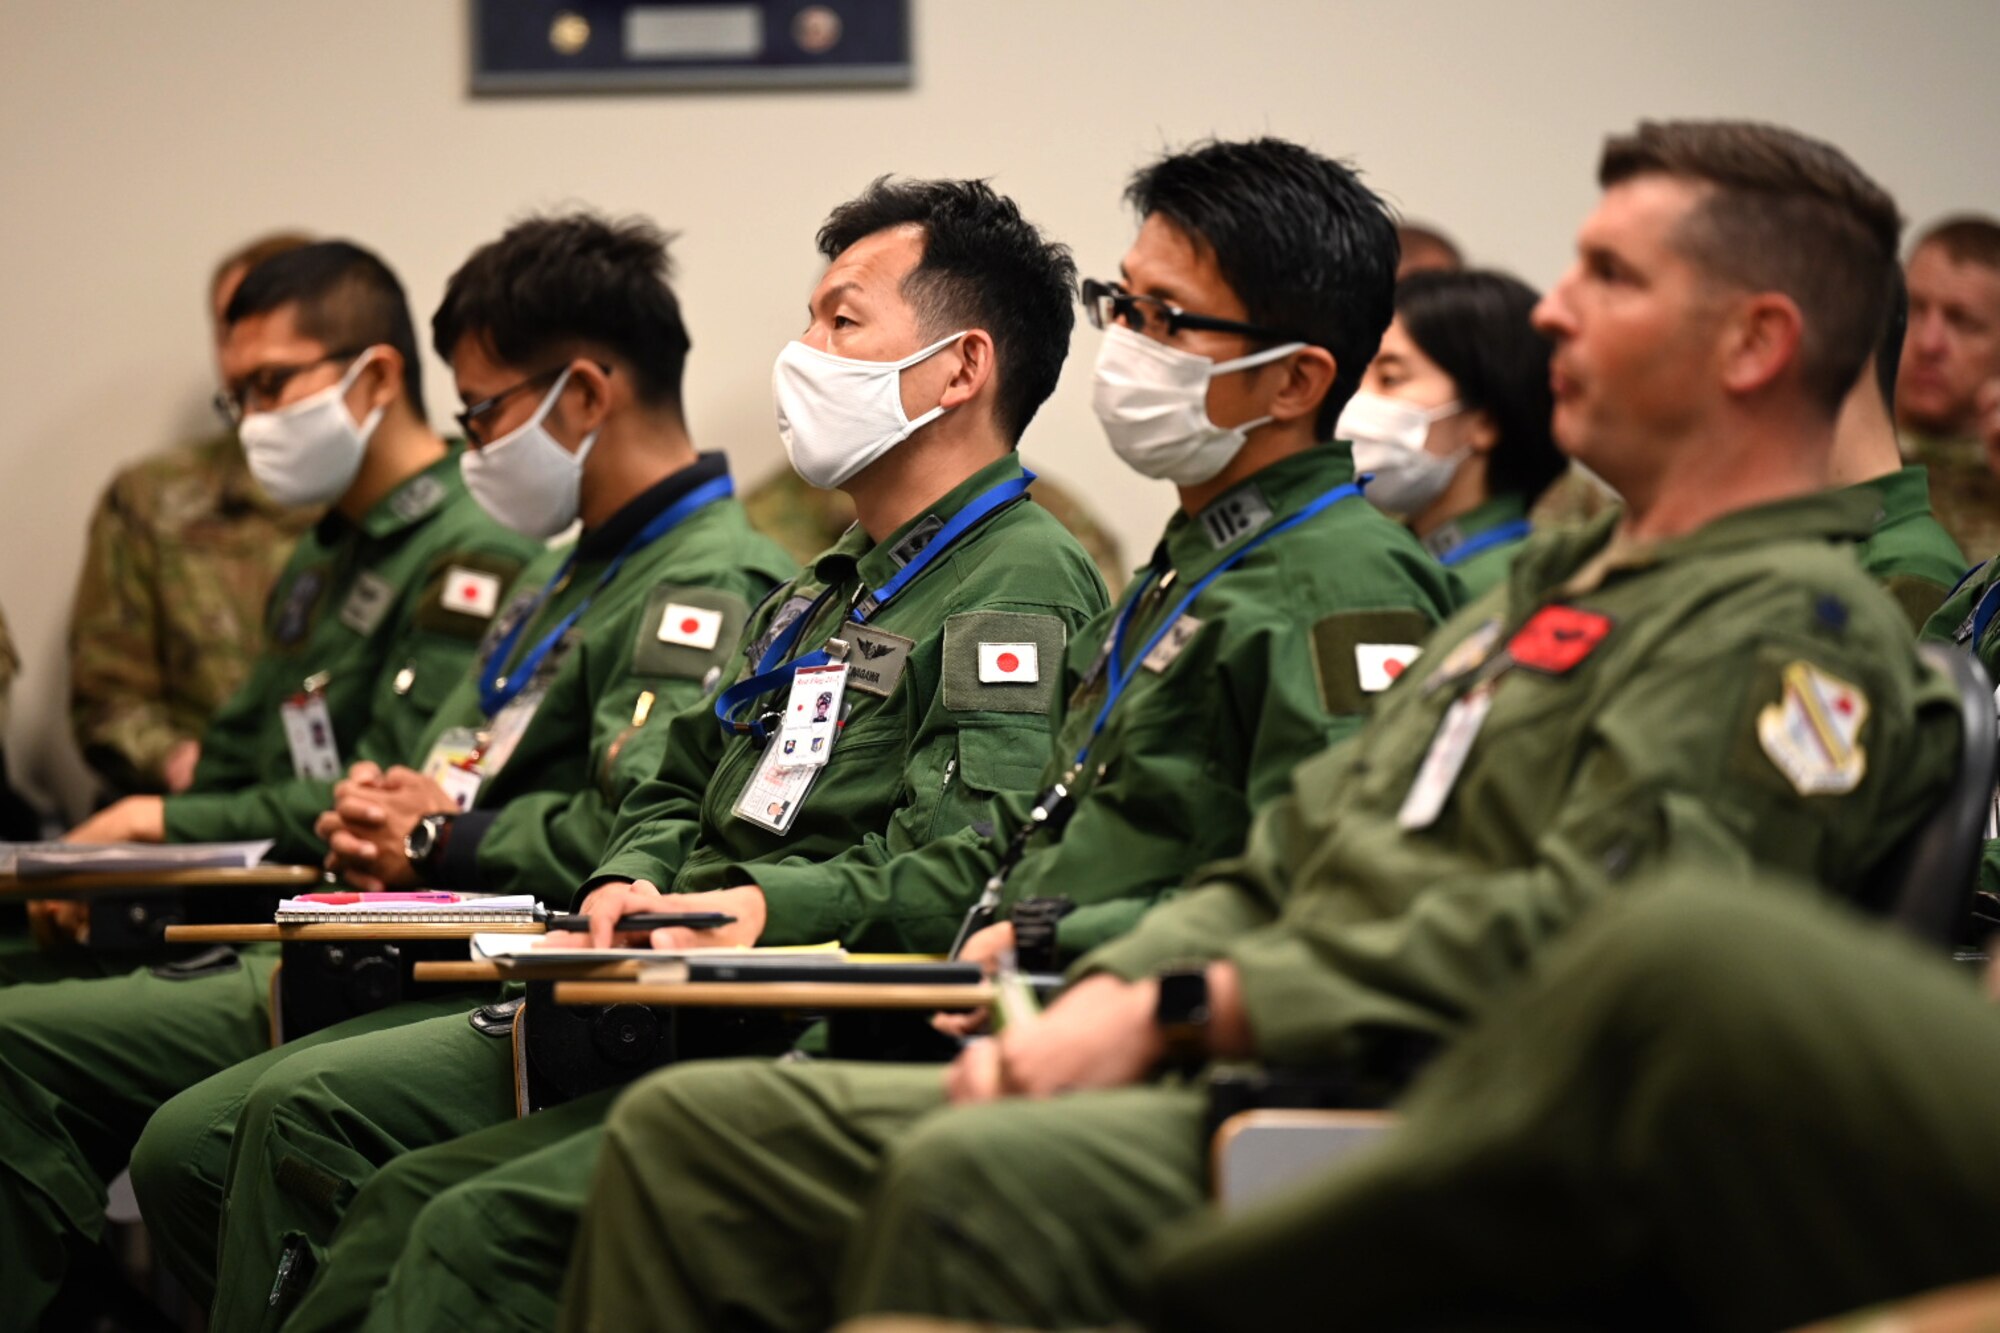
(1556, 638)
(1813, 732)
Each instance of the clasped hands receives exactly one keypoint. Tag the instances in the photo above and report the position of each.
(374, 810)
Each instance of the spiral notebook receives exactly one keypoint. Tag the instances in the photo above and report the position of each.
(493, 909)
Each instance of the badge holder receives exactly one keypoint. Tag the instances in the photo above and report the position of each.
(309, 731)
(795, 755)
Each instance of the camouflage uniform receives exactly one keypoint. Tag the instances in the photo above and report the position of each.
(1572, 499)
(1965, 494)
(169, 611)
(806, 521)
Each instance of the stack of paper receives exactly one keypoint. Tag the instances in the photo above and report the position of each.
(34, 860)
(427, 909)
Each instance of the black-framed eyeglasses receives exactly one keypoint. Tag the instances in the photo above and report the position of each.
(486, 405)
(1107, 303)
(266, 384)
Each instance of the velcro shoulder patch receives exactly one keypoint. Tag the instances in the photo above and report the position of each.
(463, 591)
(685, 630)
(1002, 662)
(1812, 732)
(1360, 653)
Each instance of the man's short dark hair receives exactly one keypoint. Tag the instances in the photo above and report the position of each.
(551, 283)
(1475, 325)
(1304, 245)
(984, 267)
(252, 253)
(1965, 238)
(347, 299)
(1783, 213)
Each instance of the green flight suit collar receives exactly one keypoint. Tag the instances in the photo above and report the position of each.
(1196, 543)
(1902, 494)
(415, 500)
(877, 562)
(1483, 517)
(1574, 563)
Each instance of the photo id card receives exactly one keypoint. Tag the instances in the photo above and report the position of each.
(812, 716)
(772, 796)
(309, 735)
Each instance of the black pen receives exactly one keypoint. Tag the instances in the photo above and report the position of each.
(635, 921)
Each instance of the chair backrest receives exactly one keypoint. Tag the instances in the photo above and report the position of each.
(1932, 877)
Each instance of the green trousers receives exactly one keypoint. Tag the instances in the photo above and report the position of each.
(305, 1127)
(1733, 1112)
(471, 1234)
(745, 1195)
(23, 962)
(83, 1063)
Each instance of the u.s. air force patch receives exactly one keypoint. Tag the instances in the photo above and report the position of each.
(1813, 732)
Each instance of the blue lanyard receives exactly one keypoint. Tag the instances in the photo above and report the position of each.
(497, 685)
(1121, 675)
(1486, 540)
(1982, 615)
(772, 672)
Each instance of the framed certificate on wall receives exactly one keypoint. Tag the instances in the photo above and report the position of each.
(571, 46)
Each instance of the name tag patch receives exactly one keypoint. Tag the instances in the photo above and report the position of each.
(1377, 665)
(367, 602)
(470, 592)
(1557, 638)
(690, 626)
(1235, 515)
(876, 659)
(1009, 663)
(1168, 649)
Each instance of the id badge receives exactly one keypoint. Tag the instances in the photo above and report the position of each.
(454, 763)
(812, 716)
(309, 736)
(504, 733)
(1443, 762)
(772, 797)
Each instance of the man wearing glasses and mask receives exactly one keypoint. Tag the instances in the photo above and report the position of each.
(375, 617)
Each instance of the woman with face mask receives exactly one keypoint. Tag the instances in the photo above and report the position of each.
(1452, 419)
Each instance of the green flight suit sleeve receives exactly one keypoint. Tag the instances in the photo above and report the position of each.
(435, 658)
(229, 746)
(658, 823)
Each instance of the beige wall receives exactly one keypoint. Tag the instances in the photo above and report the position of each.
(140, 138)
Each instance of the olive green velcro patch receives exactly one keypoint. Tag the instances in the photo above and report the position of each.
(1359, 653)
(685, 630)
(462, 592)
(1002, 662)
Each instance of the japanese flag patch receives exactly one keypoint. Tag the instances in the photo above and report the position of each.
(1009, 664)
(1377, 665)
(690, 626)
(470, 592)
(1813, 732)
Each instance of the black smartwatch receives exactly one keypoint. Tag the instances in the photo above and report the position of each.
(426, 843)
(1181, 1014)
(1035, 932)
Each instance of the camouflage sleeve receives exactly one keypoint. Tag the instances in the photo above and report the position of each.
(117, 707)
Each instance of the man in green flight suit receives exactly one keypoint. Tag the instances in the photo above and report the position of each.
(1707, 676)
(567, 344)
(367, 631)
(937, 331)
(1305, 602)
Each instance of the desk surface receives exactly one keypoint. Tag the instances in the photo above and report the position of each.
(775, 994)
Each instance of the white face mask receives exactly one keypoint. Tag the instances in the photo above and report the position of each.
(525, 479)
(308, 453)
(1152, 400)
(1388, 436)
(837, 415)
